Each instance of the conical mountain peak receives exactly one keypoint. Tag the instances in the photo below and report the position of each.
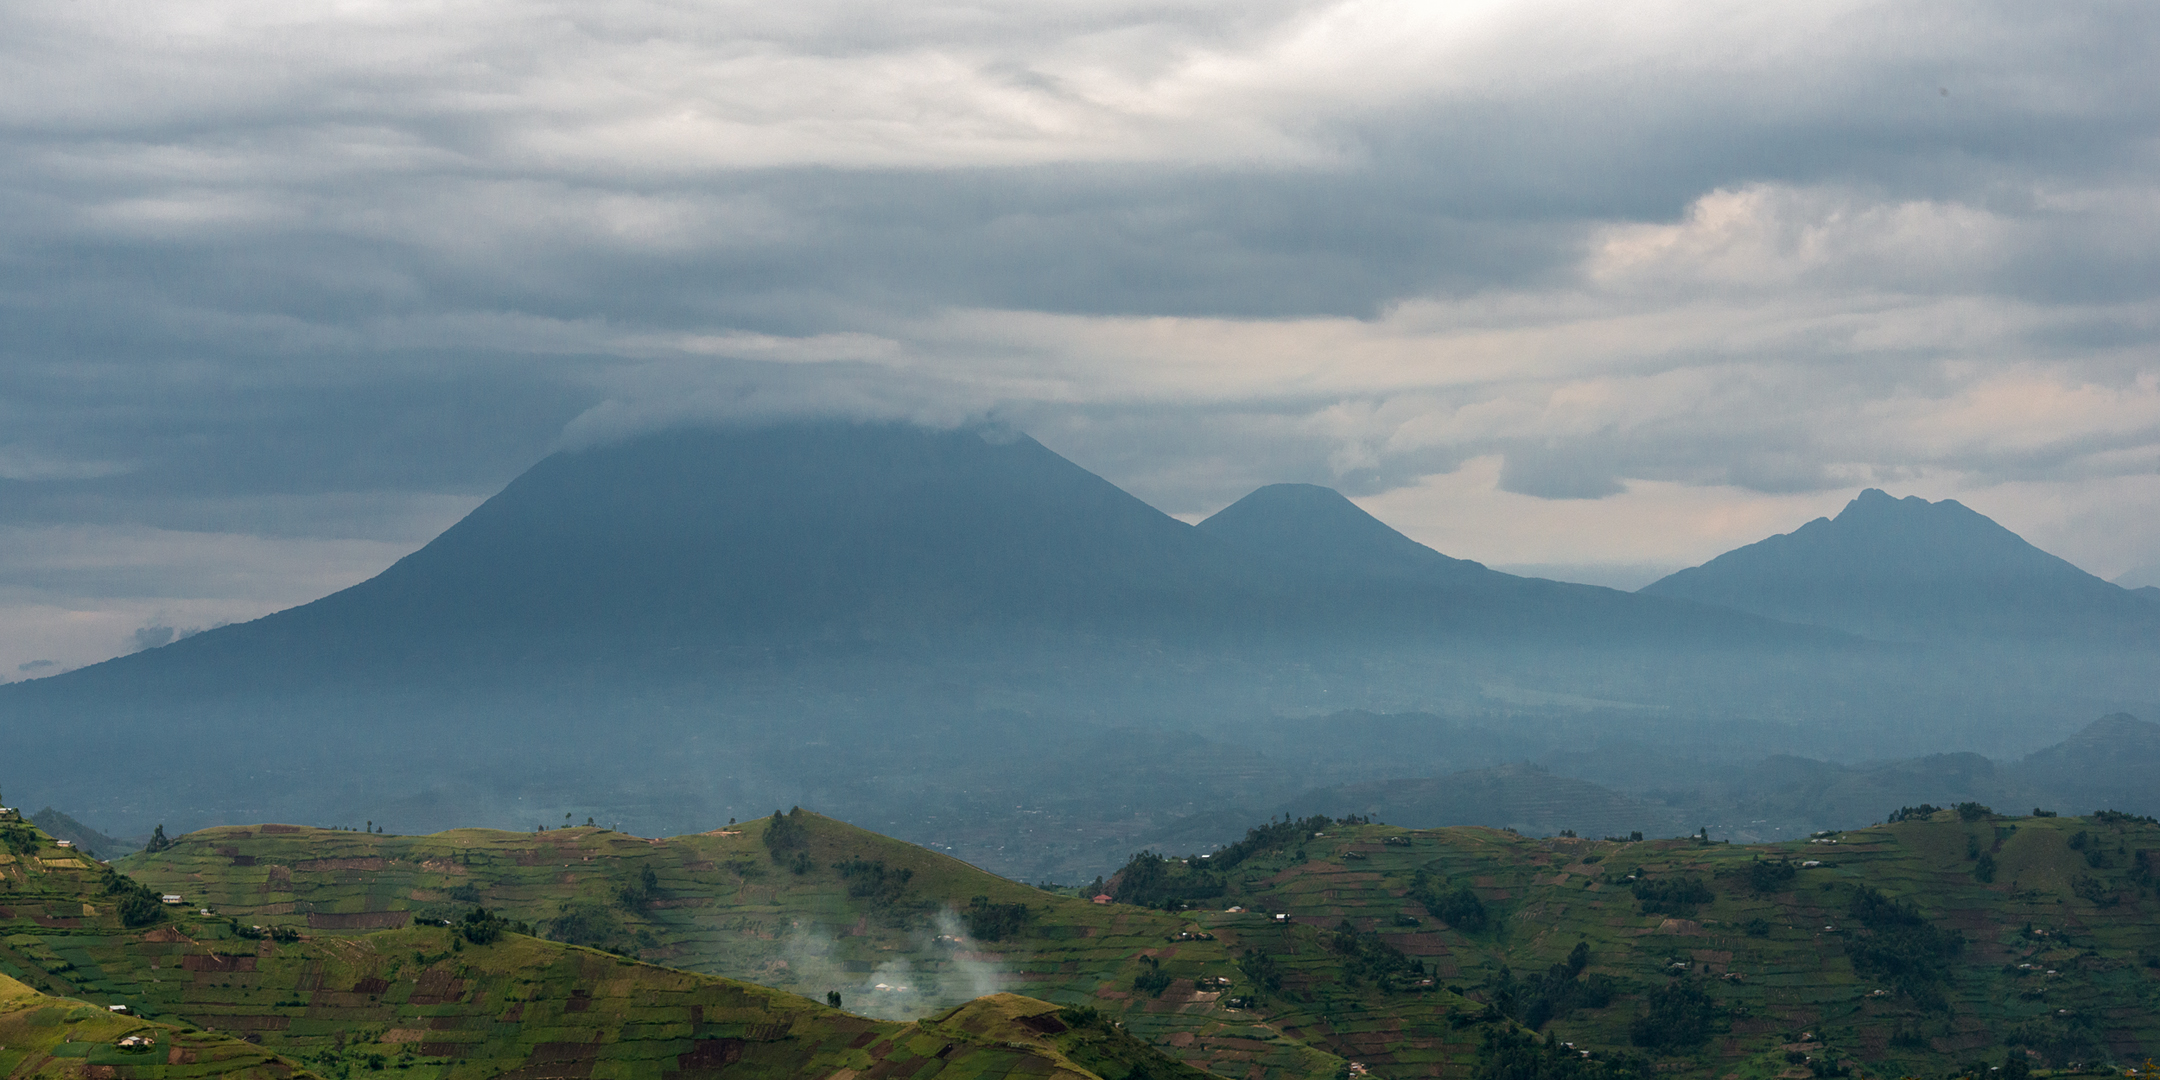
(1317, 530)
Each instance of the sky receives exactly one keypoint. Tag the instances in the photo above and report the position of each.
(1596, 290)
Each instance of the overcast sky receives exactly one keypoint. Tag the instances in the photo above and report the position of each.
(1604, 288)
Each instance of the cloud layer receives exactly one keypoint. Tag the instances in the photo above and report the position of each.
(1638, 271)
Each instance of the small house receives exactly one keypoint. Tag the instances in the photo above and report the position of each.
(1102, 898)
(117, 1008)
(65, 843)
(171, 898)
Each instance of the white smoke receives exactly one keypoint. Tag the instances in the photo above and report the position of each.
(952, 971)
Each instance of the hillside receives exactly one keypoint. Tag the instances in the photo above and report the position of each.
(1520, 796)
(1911, 570)
(895, 929)
(474, 999)
(1379, 959)
(42, 1037)
(2111, 762)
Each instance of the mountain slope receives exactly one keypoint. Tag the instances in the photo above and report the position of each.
(1315, 530)
(2108, 765)
(1911, 570)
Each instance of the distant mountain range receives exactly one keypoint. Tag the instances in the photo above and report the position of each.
(703, 622)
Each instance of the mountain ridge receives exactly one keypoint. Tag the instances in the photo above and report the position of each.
(1911, 570)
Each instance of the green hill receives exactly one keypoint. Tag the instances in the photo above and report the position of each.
(43, 1036)
(1932, 946)
(899, 931)
(470, 1000)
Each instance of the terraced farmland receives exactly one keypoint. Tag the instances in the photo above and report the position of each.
(468, 1001)
(1889, 952)
(43, 1036)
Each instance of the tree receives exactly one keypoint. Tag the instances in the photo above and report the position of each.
(158, 842)
(832, 998)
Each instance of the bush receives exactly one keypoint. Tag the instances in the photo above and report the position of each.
(1675, 896)
(1555, 995)
(1972, 811)
(1152, 980)
(1509, 1054)
(1152, 880)
(482, 927)
(1458, 907)
(1365, 956)
(1276, 835)
(1984, 870)
(1901, 947)
(785, 836)
(640, 892)
(1914, 813)
(987, 921)
(1677, 1016)
(138, 905)
(1768, 876)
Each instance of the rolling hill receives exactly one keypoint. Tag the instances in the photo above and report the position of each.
(468, 998)
(1401, 950)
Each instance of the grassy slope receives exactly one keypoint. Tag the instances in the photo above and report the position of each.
(43, 1036)
(420, 1003)
(724, 906)
(1796, 979)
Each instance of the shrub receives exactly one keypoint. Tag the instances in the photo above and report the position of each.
(1260, 971)
(481, 926)
(872, 880)
(1555, 995)
(1901, 947)
(1509, 1054)
(993, 922)
(1984, 870)
(1674, 896)
(785, 835)
(1914, 813)
(1458, 907)
(1972, 811)
(1152, 980)
(640, 892)
(1676, 1016)
(1766, 876)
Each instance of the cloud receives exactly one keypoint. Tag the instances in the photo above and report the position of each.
(285, 273)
